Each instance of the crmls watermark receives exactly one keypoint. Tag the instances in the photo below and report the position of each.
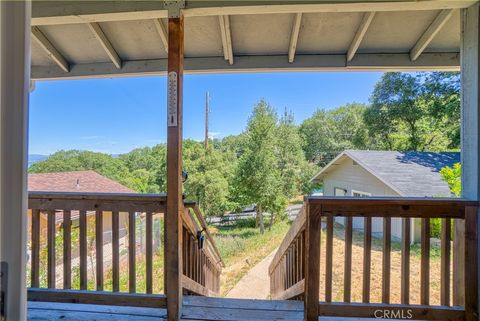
(393, 314)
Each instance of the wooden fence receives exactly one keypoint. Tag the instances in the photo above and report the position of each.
(295, 269)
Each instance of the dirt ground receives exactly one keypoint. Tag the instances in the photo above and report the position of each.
(376, 271)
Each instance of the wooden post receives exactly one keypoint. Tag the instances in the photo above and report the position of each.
(470, 67)
(312, 277)
(173, 221)
(471, 264)
(14, 85)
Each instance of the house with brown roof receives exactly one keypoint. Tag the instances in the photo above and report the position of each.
(79, 182)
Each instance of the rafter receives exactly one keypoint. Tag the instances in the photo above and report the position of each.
(294, 37)
(106, 44)
(221, 21)
(226, 34)
(430, 33)
(51, 51)
(162, 32)
(361, 31)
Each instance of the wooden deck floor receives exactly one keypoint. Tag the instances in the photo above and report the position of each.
(195, 308)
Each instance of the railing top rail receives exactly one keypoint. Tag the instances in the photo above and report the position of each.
(203, 224)
(123, 202)
(97, 196)
(390, 207)
(424, 201)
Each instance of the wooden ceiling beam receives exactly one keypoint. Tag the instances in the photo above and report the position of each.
(226, 34)
(265, 63)
(430, 33)
(221, 21)
(68, 12)
(50, 49)
(297, 23)
(360, 34)
(162, 32)
(106, 44)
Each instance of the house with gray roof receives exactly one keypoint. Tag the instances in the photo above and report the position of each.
(387, 173)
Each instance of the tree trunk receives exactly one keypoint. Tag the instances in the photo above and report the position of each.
(260, 219)
(272, 219)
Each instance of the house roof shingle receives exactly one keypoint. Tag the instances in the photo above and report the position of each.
(413, 174)
(77, 181)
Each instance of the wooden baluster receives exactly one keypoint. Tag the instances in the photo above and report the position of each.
(300, 259)
(149, 252)
(387, 246)
(83, 250)
(312, 279)
(405, 273)
(425, 263)
(51, 266)
(367, 258)
(131, 253)
(329, 259)
(471, 264)
(115, 252)
(445, 263)
(35, 266)
(99, 248)
(347, 285)
(191, 263)
(67, 249)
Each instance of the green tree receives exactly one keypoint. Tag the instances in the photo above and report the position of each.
(415, 111)
(290, 156)
(453, 177)
(209, 176)
(257, 179)
(74, 160)
(329, 132)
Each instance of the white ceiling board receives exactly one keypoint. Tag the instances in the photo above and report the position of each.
(396, 31)
(76, 43)
(134, 40)
(261, 34)
(327, 32)
(448, 39)
(203, 37)
(39, 56)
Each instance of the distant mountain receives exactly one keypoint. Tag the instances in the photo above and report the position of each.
(33, 158)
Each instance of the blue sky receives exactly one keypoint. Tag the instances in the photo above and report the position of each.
(119, 114)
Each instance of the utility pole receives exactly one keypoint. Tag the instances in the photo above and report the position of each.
(207, 98)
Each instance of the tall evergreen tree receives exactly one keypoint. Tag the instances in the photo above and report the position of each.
(258, 180)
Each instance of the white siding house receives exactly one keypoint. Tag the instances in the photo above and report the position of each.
(386, 173)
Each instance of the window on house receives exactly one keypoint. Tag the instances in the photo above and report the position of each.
(360, 194)
(340, 191)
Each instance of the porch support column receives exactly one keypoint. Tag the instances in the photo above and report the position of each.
(470, 68)
(173, 226)
(14, 87)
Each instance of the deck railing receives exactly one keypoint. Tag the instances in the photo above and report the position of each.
(296, 272)
(68, 234)
(202, 263)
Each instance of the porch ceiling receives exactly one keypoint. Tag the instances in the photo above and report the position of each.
(72, 39)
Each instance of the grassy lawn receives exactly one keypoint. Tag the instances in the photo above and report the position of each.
(242, 246)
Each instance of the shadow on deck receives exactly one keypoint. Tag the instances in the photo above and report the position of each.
(194, 308)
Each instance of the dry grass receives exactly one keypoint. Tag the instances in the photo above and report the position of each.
(376, 270)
